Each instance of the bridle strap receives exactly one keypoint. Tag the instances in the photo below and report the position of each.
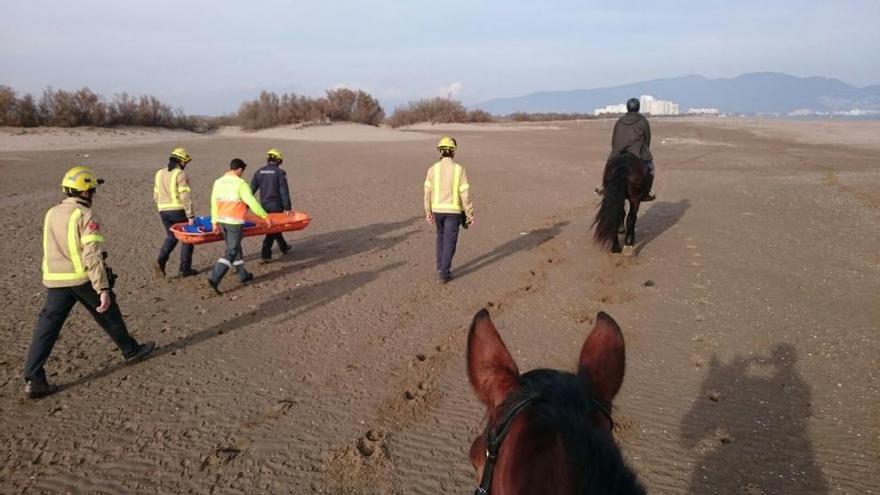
(604, 409)
(494, 437)
(493, 443)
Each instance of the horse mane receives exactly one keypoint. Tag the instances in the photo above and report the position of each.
(560, 405)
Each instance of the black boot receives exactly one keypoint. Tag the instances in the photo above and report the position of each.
(39, 389)
(140, 352)
(159, 268)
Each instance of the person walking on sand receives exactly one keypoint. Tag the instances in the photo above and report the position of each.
(271, 182)
(447, 205)
(632, 134)
(230, 200)
(74, 271)
(171, 193)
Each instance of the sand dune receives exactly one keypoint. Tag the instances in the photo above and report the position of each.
(339, 132)
(77, 138)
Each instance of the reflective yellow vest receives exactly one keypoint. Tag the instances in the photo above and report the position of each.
(72, 245)
(446, 188)
(168, 194)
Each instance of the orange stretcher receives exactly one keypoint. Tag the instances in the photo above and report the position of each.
(199, 232)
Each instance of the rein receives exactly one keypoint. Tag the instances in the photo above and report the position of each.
(494, 437)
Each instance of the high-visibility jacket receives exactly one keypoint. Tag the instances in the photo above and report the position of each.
(447, 189)
(171, 191)
(73, 247)
(231, 198)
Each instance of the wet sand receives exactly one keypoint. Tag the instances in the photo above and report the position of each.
(750, 312)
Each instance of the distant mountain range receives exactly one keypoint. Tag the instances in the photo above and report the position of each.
(754, 93)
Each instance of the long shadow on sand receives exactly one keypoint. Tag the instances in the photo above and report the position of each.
(749, 424)
(657, 219)
(522, 243)
(292, 303)
(332, 246)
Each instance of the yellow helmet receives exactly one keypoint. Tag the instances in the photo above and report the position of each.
(275, 153)
(446, 143)
(80, 179)
(181, 154)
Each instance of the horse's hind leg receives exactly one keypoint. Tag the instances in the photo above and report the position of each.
(630, 240)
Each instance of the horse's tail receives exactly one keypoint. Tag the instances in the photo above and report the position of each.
(610, 214)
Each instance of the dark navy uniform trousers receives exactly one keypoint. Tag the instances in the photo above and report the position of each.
(447, 238)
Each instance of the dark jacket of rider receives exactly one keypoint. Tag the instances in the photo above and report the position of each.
(632, 134)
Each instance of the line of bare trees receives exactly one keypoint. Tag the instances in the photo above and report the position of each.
(60, 108)
(436, 110)
(56, 107)
(339, 105)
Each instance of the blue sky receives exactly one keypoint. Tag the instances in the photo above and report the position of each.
(207, 56)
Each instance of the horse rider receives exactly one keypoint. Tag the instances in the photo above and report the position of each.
(230, 200)
(271, 182)
(632, 134)
(74, 271)
(171, 193)
(447, 205)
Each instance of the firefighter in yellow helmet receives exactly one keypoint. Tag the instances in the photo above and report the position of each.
(271, 182)
(74, 271)
(447, 205)
(171, 193)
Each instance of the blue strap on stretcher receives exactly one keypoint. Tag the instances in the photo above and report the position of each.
(202, 225)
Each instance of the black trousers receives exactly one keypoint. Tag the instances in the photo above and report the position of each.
(447, 238)
(266, 252)
(170, 218)
(59, 302)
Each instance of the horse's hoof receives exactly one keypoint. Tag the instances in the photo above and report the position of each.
(615, 250)
(628, 250)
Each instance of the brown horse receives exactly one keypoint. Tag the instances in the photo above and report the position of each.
(625, 179)
(548, 431)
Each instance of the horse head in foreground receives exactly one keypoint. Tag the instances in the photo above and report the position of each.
(625, 179)
(548, 431)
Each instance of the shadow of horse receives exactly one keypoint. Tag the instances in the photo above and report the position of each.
(292, 303)
(749, 425)
(525, 242)
(659, 218)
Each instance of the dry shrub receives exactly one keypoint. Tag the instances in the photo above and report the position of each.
(8, 103)
(343, 105)
(436, 110)
(27, 113)
(346, 105)
(71, 109)
(84, 108)
(17, 112)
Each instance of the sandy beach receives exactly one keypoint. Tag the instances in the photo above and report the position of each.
(750, 311)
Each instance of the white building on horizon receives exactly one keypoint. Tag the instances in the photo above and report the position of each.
(653, 106)
(648, 104)
(703, 111)
(611, 109)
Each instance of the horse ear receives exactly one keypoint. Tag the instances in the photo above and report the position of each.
(603, 358)
(492, 372)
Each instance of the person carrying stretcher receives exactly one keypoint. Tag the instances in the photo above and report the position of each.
(230, 200)
(271, 182)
